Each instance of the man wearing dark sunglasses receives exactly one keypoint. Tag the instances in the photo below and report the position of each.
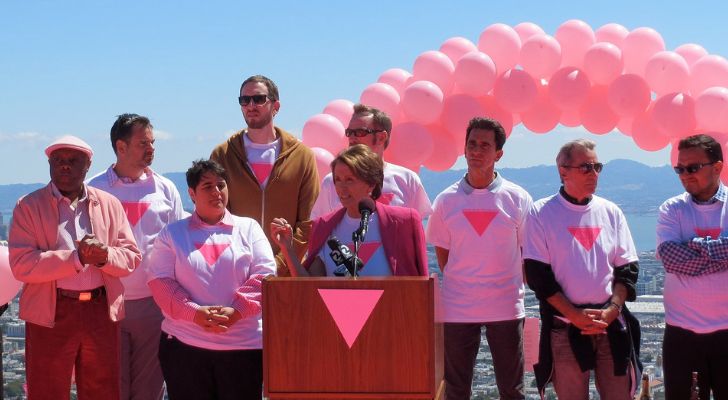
(271, 174)
(401, 186)
(581, 262)
(693, 249)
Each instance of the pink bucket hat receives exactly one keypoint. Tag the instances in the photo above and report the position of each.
(69, 142)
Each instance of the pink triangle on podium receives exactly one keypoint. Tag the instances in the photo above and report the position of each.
(212, 251)
(366, 250)
(386, 198)
(585, 235)
(261, 171)
(135, 210)
(479, 219)
(705, 232)
(350, 309)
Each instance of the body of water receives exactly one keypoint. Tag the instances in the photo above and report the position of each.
(643, 228)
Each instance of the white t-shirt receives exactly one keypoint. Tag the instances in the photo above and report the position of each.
(151, 202)
(261, 158)
(482, 229)
(697, 303)
(211, 262)
(401, 187)
(582, 243)
(371, 251)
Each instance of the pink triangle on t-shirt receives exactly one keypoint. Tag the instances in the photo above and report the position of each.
(585, 235)
(480, 219)
(135, 210)
(366, 250)
(212, 251)
(350, 309)
(386, 198)
(261, 171)
(705, 232)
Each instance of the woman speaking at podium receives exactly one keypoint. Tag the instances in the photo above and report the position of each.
(391, 239)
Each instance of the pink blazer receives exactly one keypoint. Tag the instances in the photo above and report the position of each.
(35, 262)
(403, 238)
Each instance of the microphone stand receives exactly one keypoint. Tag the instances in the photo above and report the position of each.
(357, 238)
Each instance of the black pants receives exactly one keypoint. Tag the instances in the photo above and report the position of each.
(200, 374)
(684, 351)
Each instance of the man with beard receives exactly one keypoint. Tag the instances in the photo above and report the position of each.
(69, 244)
(271, 174)
(150, 201)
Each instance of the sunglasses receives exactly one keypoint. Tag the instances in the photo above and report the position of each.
(360, 132)
(587, 167)
(257, 99)
(691, 169)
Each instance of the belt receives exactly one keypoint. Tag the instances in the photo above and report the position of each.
(82, 295)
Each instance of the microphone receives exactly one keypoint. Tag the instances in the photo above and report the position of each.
(342, 255)
(366, 208)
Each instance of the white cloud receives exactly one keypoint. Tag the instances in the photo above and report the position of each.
(162, 135)
(31, 139)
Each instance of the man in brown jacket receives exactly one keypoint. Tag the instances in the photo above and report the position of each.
(271, 174)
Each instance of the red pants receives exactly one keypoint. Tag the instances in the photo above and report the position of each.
(83, 337)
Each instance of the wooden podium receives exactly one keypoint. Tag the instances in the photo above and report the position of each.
(397, 354)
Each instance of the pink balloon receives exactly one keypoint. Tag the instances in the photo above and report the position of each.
(667, 72)
(383, 97)
(570, 118)
(575, 37)
(711, 109)
(323, 161)
(491, 109)
(9, 286)
(596, 116)
(456, 47)
(411, 144)
(341, 109)
(435, 67)
(422, 102)
(541, 55)
(629, 95)
(457, 111)
(611, 33)
(502, 44)
(445, 154)
(543, 116)
(396, 78)
(603, 63)
(324, 131)
(674, 114)
(708, 71)
(515, 90)
(691, 52)
(569, 88)
(625, 126)
(638, 47)
(645, 133)
(527, 29)
(475, 74)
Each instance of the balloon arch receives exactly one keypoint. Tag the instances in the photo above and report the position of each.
(604, 79)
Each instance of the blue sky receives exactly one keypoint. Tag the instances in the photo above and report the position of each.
(71, 67)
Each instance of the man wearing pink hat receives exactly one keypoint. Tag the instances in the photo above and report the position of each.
(70, 244)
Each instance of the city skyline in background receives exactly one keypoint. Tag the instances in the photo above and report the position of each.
(72, 68)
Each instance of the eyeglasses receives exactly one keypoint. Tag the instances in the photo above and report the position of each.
(360, 132)
(258, 99)
(691, 169)
(587, 167)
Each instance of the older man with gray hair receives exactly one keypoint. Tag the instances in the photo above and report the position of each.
(581, 262)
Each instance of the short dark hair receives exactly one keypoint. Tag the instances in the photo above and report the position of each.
(380, 119)
(121, 130)
(709, 145)
(272, 88)
(488, 124)
(365, 164)
(201, 167)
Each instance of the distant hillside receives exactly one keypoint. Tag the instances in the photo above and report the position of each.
(637, 188)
